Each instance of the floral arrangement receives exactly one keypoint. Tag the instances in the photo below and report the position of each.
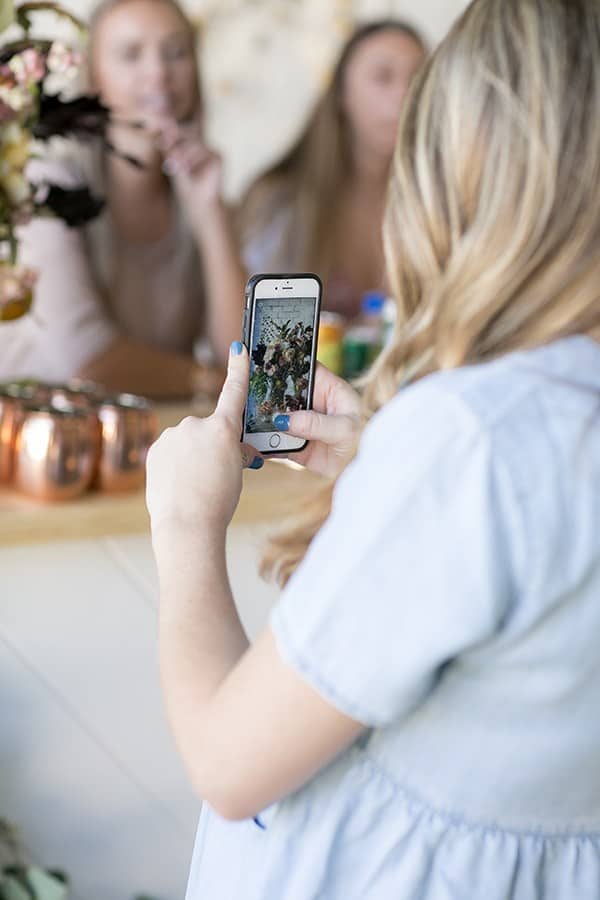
(281, 364)
(33, 109)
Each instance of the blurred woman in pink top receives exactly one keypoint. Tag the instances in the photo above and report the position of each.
(128, 299)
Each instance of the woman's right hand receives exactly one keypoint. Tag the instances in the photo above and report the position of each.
(197, 171)
(332, 427)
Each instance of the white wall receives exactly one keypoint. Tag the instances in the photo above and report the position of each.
(264, 63)
(263, 67)
(88, 769)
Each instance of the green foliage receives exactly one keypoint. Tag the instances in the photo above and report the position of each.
(259, 384)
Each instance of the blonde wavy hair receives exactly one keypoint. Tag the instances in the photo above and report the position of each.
(492, 229)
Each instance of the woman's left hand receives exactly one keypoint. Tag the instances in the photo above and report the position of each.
(194, 471)
(332, 427)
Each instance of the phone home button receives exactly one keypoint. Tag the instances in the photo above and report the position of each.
(274, 440)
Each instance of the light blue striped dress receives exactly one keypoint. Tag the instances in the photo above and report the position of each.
(452, 604)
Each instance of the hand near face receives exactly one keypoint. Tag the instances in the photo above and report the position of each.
(196, 170)
(143, 65)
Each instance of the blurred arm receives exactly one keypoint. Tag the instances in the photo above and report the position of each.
(224, 278)
(137, 368)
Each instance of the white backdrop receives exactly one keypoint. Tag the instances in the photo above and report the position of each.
(264, 61)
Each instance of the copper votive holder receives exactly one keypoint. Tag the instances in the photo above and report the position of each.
(129, 427)
(13, 396)
(26, 391)
(10, 409)
(80, 394)
(56, 451)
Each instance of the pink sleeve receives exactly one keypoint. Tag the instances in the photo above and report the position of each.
(69, 324)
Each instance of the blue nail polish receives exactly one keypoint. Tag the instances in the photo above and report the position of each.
(257, 463)
(236, 348)
(281, 423)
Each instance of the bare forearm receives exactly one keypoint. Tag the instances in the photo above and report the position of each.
(141, 369)
(224, 277)
(201, 639)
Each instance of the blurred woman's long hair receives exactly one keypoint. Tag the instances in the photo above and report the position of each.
(492, 231)
(310, 179)
(103, 7)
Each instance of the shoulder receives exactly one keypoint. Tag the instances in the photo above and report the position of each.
(264, 218)
(510, 428)
(492, 397)
(267, 198)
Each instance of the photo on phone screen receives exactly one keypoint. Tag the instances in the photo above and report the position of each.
(280, 360)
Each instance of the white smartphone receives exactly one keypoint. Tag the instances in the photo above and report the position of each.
(281, 327)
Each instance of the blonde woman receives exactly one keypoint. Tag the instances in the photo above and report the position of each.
(320, 209)
(126, 299)
(420, 718)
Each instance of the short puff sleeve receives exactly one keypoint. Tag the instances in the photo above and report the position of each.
(410, 570)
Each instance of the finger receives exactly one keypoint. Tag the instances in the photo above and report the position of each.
(170, 167)
(132, 124)
(235, 390)
(187, 158)
(173, 134)
(314, 426)
(333, 394)
(171, 146)
(175, 163)
(194, 159)
(169, 135)
(158, 128)
(251, 459)
(196, 119)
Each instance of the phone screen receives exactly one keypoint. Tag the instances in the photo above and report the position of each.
(280, 358)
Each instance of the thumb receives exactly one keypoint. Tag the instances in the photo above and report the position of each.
(251, 459)
(314, 426)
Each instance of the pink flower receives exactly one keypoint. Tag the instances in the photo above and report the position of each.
(63, 60)
(28, 67)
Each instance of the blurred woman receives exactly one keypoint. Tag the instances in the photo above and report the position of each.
(124, 300)
(321, 208)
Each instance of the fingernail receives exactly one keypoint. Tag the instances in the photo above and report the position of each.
(257, 463)
(169, 167)
(236, 348)
(281, 423)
